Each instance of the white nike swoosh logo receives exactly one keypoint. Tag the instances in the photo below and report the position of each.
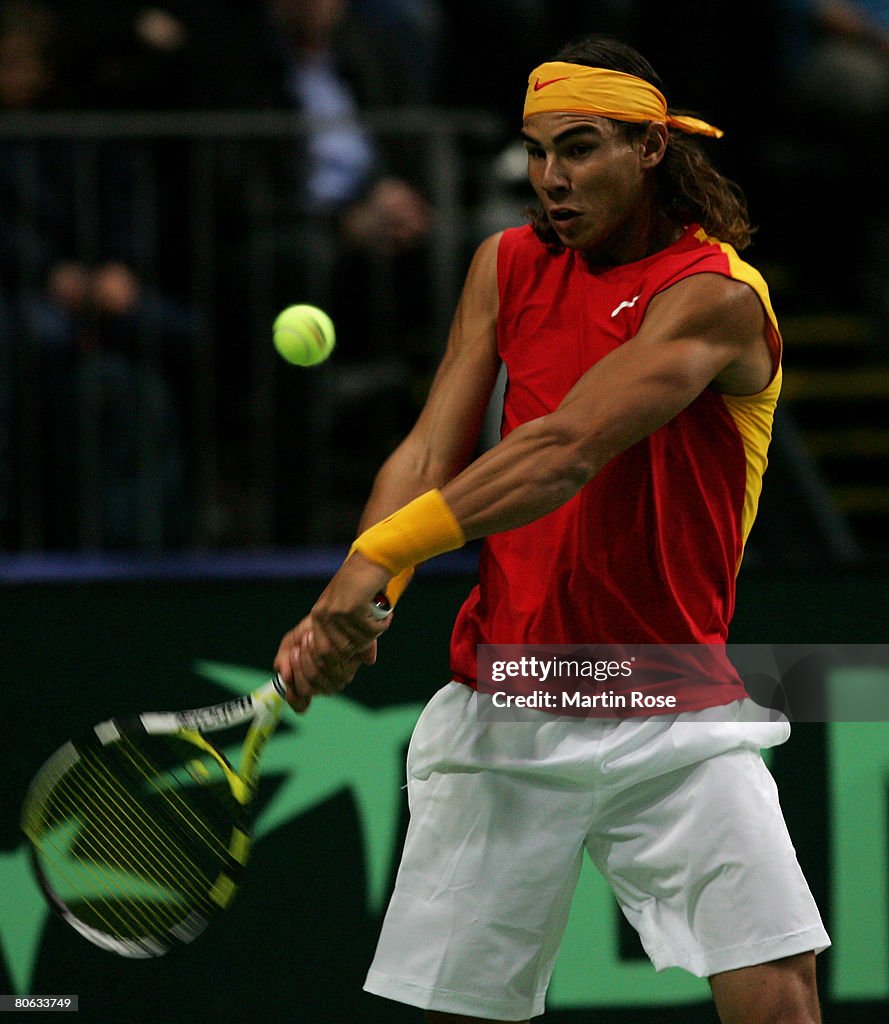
(627, 305)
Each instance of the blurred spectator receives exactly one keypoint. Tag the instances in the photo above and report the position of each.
(112, 353)
(39, 180)
(846, 71)
(339, 201)
(28, 57)
(847, 87)
(318, 58)
(833, 101)
(79, 315)
(338, 213)
(129, 54)
(133, 55)
(326, 82)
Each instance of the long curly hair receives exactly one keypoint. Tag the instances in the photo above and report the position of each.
(689, 188)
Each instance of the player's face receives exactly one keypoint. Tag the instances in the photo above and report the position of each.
(593, 182)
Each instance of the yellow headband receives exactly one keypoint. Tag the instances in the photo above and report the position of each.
(578, 88)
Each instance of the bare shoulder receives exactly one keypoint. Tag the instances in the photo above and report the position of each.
(724, 314)
(479, 303)
(483, 269)
(703, 301)
(490, 245)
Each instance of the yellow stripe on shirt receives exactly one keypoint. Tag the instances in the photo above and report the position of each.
(753, 414)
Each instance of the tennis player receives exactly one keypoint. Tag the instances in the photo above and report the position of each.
(643, 362)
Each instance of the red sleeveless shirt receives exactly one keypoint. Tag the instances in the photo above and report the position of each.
(648, 551)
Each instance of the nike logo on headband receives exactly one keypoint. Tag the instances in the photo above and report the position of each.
(538, 85)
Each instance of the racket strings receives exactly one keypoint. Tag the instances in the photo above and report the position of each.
(171, 860)
(189, 817)
(162, 841)
(138, 842)
(117, 894)
(114, 907)
(110, 911)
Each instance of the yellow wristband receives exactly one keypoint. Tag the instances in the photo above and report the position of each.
(397, 585)
(425, 527)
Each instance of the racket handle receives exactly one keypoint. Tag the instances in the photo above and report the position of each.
(381, 607)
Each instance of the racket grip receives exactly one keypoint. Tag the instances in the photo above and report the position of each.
(381, 607)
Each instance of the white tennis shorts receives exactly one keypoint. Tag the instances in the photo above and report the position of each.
(678, 812)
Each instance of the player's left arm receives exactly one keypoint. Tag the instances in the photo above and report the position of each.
(705, 331)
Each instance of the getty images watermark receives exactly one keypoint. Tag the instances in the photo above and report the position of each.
(801, 682)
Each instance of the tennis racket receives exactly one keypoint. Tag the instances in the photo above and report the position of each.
(138, 831)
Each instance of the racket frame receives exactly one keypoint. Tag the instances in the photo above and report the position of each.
(262, 709)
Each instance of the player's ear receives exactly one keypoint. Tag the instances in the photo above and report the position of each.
(654, 144)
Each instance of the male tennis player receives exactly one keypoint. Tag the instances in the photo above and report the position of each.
(643, 362)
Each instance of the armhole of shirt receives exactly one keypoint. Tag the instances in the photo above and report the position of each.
(739, 270)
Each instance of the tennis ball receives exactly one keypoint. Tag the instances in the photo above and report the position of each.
(304, 335)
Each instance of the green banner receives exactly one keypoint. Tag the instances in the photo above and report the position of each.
(332, 812)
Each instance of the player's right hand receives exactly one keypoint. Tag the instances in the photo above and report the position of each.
(324, 651)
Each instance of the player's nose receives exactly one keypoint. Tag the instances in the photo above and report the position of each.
(554, 178)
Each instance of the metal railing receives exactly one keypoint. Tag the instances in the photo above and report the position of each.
(176, 425)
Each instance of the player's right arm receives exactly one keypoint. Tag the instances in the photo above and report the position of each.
(441, 444)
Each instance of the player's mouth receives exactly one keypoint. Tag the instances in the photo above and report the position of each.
(562, 215)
